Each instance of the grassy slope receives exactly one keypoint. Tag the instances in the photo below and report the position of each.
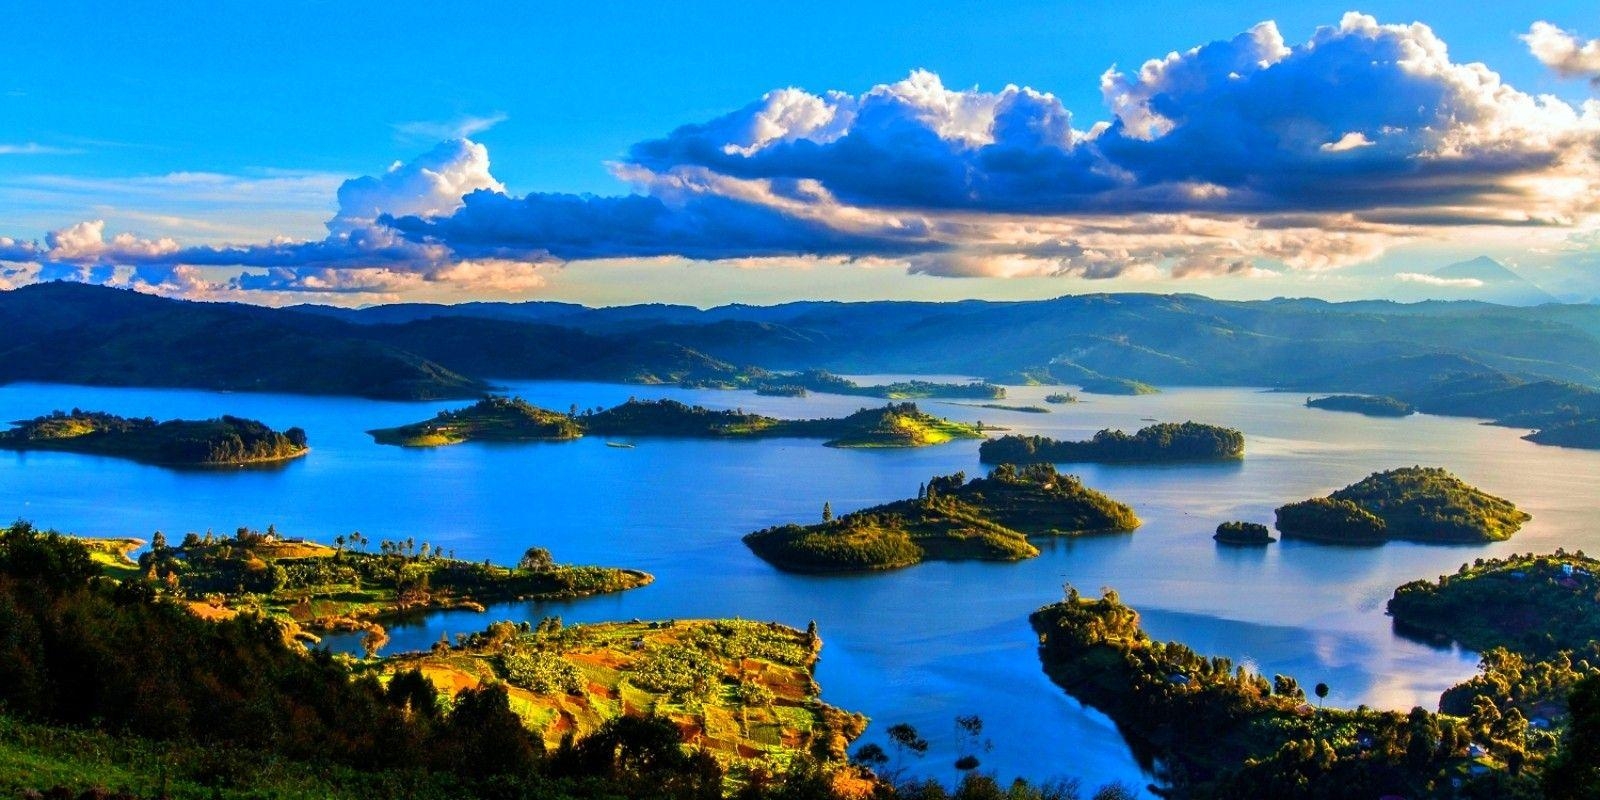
(495, 420)
(614, 662)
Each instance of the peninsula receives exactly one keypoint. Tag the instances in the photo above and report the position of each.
(1370, 405)
(1417, 504)
(1164, 442)
(951, 519)
(225, 441)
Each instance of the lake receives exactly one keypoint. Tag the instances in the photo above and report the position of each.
(920, 645)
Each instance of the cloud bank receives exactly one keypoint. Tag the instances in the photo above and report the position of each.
(1243, 157)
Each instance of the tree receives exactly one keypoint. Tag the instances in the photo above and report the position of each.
(158, 543)
(905, 739)
(1574, 772)
(1322, 693)
(827, 511)
(536, 559)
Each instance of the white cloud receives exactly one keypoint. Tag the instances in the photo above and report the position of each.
(1435, 280)
(34, 149)
(1564, 52)
(464, 127)
(1354, 140)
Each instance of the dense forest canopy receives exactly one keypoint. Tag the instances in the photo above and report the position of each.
(1187, 441)
(225, 440)
(1420, 504)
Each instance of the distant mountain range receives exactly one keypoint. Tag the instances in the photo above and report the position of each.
(1437, 355)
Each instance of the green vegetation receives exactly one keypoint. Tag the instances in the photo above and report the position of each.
(1418, 504)
(951, 519)
(781, 390)
(1536, 605)
(1245, 736)
(1581, 433)
(894, 425)
(1035, 376)
(1122, 386)
(1005, 407)
(331, 588)
(111, 685)
(1188, 441)
(828, 383)
(1247, 533)
(492, 419)
(1059, 398)
(744, 690)
(225, 441)
(1372, 406)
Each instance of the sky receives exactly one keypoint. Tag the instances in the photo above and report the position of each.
(716, 152)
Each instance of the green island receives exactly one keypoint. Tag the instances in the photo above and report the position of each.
(951, 519)
(492, 419)
(1244, 533)
(225, 441)
(1582, 433)
(1120, 386)
(499, 419)
(743, 691)
(319, 588)
(1243, 735)
(1416, 504)
(1060, 398)
(1006, 407)
(1370, 405)
(1167, 441)
(115, 688)
(781, 390)
(817, 380)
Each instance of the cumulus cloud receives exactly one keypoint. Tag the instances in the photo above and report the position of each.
(1435, 280)
(1564, 52)
(1238, 158)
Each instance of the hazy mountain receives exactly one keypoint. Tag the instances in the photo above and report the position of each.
(1482, 279)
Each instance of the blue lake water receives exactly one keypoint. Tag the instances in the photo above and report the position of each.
(920, 645)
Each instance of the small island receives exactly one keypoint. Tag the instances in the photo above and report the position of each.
(499, 419)
(492, 419)
(1118, 386)
(951, 519)
(1164, 442)
(1243, 533)
(1372, 406)
(345, 587)
(781, 390)
(1060, 398)
(225, 441)
(1416, 504)
(744, 690)
(827, 383)
(1582, 433)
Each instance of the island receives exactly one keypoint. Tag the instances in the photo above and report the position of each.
(1121, 386)
(1163, 442)
(492, 419)
(951, 519)
(1370, 405)
(1243, 533)
(1416, 504)
(745, 691)
(1581, 433)
(781, 390)
(1244, 735)
(827, 383)
(345, 587)
(1060, 398)
(225, 441)
(500, 419)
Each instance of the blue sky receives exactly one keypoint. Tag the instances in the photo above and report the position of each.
(274, 107)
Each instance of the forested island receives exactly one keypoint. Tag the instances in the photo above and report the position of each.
(828, 383)
(744, 690)
(1060, 398)
(951, 519)
(1243, 735)
(492, 419)
(1121, 386)
(1538, 605)
(1417, 504)
(344, 586)
(1370, 405)
(225, 441)
(1187, 441)
(1243, 533)
(500, 419)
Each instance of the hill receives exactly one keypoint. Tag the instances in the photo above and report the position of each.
(1362, 404)
(952, 519)
(1418, 504)
(493, 419)
(225, 441)
(1164, 442)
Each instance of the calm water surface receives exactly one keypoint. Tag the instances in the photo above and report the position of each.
(920, 645)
